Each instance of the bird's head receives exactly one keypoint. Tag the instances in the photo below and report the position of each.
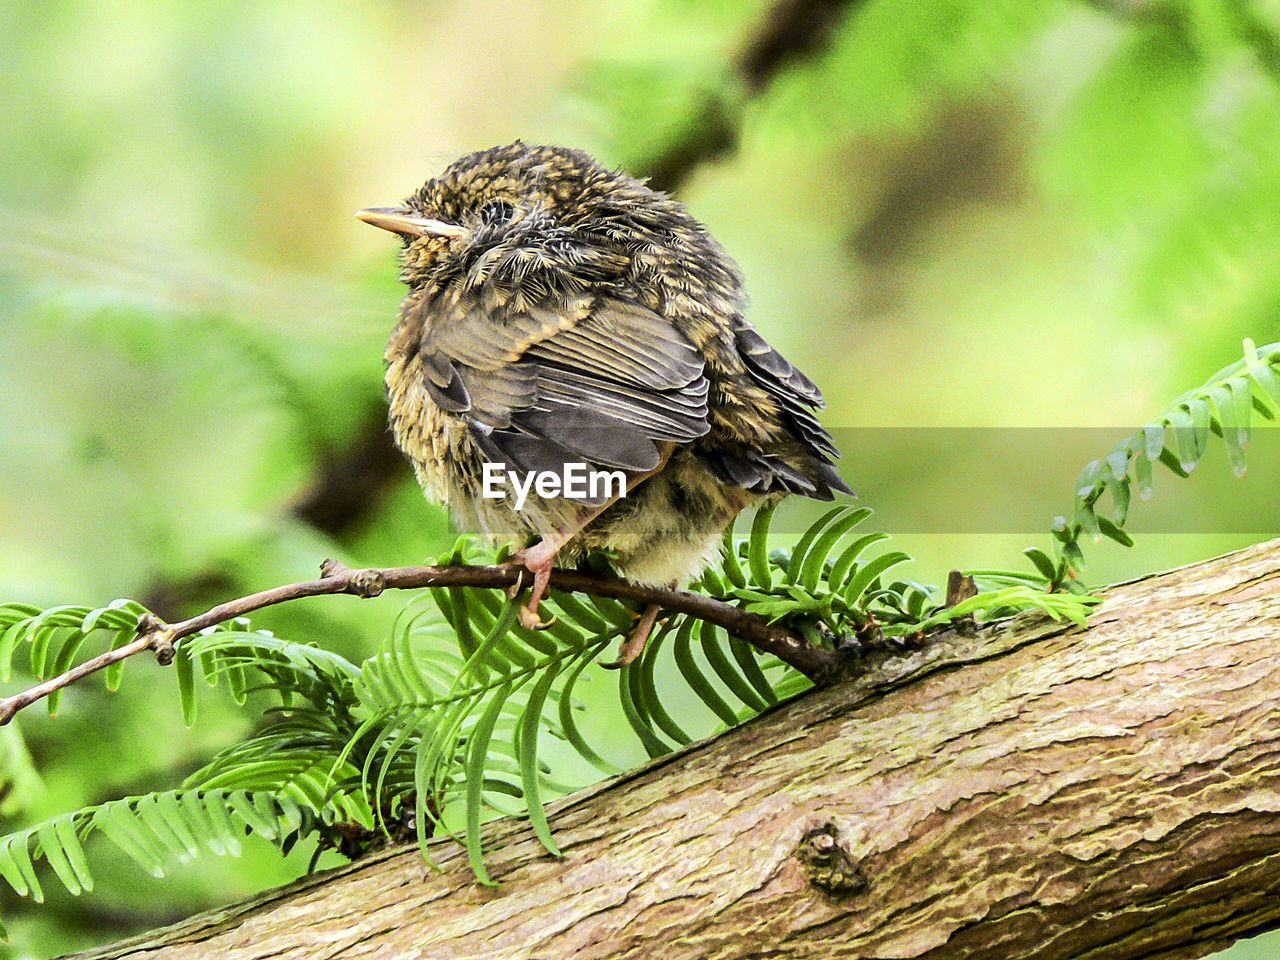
(522, 197)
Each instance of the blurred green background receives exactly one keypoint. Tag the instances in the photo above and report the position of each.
(951, 213)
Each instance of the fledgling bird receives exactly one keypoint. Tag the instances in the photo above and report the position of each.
(560, 312)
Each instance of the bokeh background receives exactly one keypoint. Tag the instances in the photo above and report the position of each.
(999, 233)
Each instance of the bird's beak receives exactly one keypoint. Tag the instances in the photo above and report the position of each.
(402, 220)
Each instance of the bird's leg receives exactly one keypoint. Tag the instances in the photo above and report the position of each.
(538, 560)
(541, 557)
(633, 646)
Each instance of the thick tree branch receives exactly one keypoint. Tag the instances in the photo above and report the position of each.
(154, 634)
(1033, 791)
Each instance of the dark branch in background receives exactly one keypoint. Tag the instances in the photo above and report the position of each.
(1247, 26)
(352, 482)
(1253, 31)
(154, 634)
(791, 31)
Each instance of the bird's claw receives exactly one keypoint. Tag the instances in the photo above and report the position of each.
(513, 591)
(530, 620)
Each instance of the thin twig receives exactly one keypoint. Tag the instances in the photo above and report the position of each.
(154, 634)
(9, 706)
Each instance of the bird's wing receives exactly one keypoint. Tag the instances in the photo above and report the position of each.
(798, 395)
(799, 398)
(584, 377)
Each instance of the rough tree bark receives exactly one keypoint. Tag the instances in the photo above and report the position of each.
(1033, 791)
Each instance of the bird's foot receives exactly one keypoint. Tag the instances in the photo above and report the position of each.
(633, 646)
(538, 560)
(529, 619)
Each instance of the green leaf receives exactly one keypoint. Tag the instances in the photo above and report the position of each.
(175, 819)
(40, 639)
(114, 673)
(459, 618)
(14, 612)
(8, 642)
(529, 777)
(117, 821)
(844, 564)
(1117, 463)
(1121, 498)
(9, 868)
(244, 808)
(868, 573)
(653, 700)
(1087, 518)
(801, 550)
(1113, 531)
(413, 680)
(1042, 562)
(202, 825)
(635, 715)
(1185, 437)
(567, 723)
(1073, 555)
(1173, 463)
(237, 683)
(184, 670)
(1266, 398)
(60, 848)
(620, 618)
(477, 750)
(682, 653)
(729, 558)
(1087, 482)
(729, 676)
(478, 665)
(1232, 402)
(744, 655)
(811, 570)
(1142, 475)
(1153, 440)
(580, 613)
(117, 615)
(758, 547)
(63, 662)
(15, 863)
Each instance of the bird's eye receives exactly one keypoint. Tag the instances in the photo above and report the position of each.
(497, 212)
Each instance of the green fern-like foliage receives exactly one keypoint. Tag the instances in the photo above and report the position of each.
(1223, 407)
(825, 590)
(442, 727)
(56, 635)
(450, 714)
(155, 830)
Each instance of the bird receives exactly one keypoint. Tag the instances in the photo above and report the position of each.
(561, 312)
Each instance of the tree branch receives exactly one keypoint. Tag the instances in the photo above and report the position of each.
(1034, 791)
(154, 634)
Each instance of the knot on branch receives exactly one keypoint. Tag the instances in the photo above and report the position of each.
(827, 861)
(961, 587)
(159, 637)
(363, 583)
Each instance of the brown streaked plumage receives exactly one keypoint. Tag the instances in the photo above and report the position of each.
(562, 312)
